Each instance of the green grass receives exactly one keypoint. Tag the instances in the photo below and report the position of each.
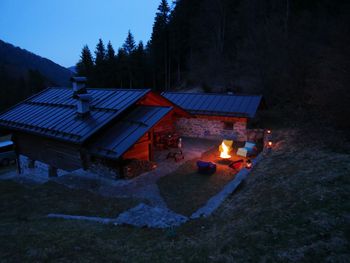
(294, 207)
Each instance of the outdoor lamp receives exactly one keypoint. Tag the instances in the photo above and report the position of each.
(269, 144)
(248, 164)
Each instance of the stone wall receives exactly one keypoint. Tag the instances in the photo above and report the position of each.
(212, 129)
(40, 169)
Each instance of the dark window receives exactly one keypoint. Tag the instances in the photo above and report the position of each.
(228, 126)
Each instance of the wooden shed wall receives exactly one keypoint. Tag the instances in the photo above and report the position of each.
(141, 150)
(167, 124)
(55, 153)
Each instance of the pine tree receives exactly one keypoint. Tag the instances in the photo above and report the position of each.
(86, 63)
(99, 75)
(110, 56)
(100, 53)
(129, 44)
(159, 46)
(111, 71)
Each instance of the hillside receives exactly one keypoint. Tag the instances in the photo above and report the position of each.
(293, 208)
(23, 73)
(19, 61)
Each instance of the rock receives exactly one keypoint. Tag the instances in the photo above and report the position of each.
(144, 215)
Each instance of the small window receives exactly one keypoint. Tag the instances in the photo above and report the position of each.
(228, 126)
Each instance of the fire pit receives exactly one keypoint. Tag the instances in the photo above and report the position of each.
(225, 148)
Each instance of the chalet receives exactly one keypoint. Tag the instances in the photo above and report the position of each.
(80, 128)
(217, 115)
(70, 129)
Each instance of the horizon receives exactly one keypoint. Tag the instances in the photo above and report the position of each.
(61, 40)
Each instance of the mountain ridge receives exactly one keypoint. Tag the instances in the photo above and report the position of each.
(18, 60)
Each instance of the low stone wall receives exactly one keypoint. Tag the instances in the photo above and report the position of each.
(104, 171)
(213, 129)
(39, 169)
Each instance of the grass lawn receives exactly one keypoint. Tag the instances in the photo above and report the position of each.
(32, 202)
(185, 190)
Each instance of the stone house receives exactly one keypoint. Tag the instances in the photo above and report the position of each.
(217, 115)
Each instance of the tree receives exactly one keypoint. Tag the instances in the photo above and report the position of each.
(110, 56)
(86, 63)
(111, 73)
(100, 53)
(159, 46)
(100, 74)
(129, 44)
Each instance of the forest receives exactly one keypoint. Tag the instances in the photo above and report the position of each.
(295, 53)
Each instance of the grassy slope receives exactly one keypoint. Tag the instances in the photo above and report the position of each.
(293, 207)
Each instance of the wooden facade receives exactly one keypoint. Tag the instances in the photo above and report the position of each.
(142, 150)
(55, 153)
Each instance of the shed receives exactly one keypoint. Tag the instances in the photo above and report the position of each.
(216, 115)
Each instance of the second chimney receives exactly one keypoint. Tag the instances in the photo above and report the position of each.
(81, 95)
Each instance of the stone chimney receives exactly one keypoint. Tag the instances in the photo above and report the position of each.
(81, 95)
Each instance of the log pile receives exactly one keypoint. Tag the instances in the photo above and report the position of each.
(137, 167)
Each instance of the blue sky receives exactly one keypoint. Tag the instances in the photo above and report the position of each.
(58, 29)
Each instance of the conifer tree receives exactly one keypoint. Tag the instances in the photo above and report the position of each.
(100, 53)
(110, 56)
(159, 46)
(129, 44)
(99, 78)
(86, 63)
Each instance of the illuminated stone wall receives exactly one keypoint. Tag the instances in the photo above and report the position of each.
(209, 128)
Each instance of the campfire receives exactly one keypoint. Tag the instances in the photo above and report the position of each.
(224, 149)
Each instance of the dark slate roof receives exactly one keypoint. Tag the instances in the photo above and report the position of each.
(52, 112)
(216, 104)
(117, 139)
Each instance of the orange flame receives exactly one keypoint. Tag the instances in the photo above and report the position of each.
(224, 153)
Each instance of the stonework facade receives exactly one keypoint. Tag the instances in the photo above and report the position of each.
(211, 128)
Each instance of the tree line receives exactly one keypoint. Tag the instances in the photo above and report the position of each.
(295, 53)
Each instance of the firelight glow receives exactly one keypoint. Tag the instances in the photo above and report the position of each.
(224, 153)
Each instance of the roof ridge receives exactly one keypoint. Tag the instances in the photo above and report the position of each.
(107, 89)
(214, 93)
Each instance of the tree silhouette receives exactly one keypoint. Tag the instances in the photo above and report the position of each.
(86, 63)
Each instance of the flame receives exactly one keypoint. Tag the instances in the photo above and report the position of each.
(224, 153)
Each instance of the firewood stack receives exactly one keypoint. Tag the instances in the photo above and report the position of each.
(136, 167)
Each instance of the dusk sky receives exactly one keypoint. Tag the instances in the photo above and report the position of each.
(58, 29)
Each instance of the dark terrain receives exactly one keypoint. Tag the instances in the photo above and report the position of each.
(294, 207)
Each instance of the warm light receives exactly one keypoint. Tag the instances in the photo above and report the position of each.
(269, 144)
(268, 131)
(248, 164)
(224, 153)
